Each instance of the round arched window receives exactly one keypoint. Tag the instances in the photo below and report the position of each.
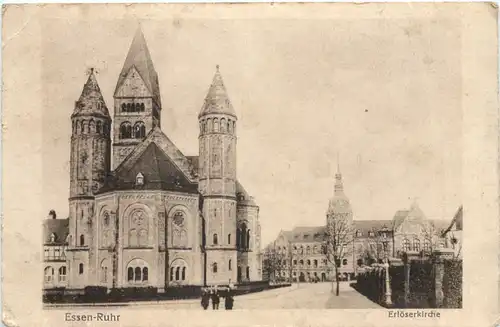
(179, 219)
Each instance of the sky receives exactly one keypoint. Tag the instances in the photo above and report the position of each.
(385, 95)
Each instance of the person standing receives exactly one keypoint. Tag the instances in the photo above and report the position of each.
(205, 298)
(229, 300)
(215, 299)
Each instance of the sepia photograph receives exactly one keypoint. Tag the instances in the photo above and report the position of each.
(205, 158)
(152, 219)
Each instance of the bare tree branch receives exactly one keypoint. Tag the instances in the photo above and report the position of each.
(339, 237)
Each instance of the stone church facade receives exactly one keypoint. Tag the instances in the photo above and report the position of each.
(153, 217)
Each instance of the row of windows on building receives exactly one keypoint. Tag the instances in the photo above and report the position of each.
(133, 107)
(215, 125)
(54, 253)
(135, 273)
(301, 249)
(415, 245)
(230, 268)
(384, 233)
(137, 131)
(242, 240)
(49, 274)
(90, 127)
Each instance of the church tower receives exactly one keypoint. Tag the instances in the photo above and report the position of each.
(217, 181)
(136, 100)
(339, 206)
(89, 164)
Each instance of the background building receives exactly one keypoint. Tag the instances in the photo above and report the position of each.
(298, 253)
(159, 218)
(453, 234)
(55, 232)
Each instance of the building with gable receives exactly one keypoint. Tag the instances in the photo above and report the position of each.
(300, 255)
(152, 216)
(55, 270)
(452, 235)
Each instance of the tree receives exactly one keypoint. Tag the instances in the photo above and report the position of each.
(339, 237)
(274, 262)
(432, 235)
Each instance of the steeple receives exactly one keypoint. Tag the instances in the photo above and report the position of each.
(139, 57)
(136, 100)
(217, 100)
(339, 185)
(91, 101)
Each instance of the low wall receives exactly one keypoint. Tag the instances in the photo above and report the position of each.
(103, 295)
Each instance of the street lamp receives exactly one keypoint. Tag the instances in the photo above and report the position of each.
(388, 295)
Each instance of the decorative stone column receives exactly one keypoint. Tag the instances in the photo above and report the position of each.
(407, 258)
(439, 256)
(388, 293)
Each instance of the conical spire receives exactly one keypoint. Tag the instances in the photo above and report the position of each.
(217, 100)
(339, 185)
(139, 57)
(91, 101)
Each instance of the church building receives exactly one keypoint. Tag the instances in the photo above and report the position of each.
(152, 216)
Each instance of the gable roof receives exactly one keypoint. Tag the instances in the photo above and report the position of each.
(139, 57)
(59, 227)
(158, 170)
(399, 217)
(456, 222)
(302, 234)
(459, 218)
(366, 226)
(167, 146)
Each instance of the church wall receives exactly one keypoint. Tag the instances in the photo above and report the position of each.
(185, 259)
(148, 255)
(137, 213)
(248, 215)
(220, 226)
(78, 280)
(224, 271)
(183, 238)
(161, 244)
(104, 271)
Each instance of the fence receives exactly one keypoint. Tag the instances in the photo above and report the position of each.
(414, 283)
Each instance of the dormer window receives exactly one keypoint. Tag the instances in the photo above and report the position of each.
(358, 233)
(371, 234)
(52, 238)
(139, 179)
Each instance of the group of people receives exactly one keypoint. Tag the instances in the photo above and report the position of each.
(213, 294)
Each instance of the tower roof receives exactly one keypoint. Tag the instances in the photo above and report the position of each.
(91, 101)
(139, 57)
(217, 100)
(339, 203)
